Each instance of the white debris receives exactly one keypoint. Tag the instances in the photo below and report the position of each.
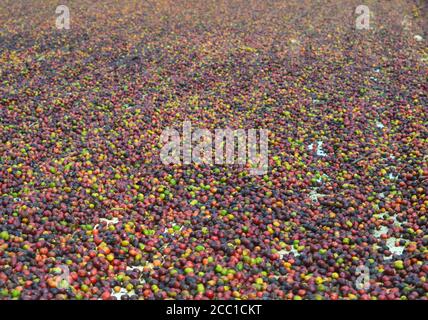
(320, 152)
(122, 292)
(392, 177)
(107, 221)
(112, 221)
(379, 125)
(396, 250)
(418, 38)
(148, 265)
(382, 230)
(314, 195)
(139, 268)
(390, 242)
(283, 252)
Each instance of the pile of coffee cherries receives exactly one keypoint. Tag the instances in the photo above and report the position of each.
(89, 211)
